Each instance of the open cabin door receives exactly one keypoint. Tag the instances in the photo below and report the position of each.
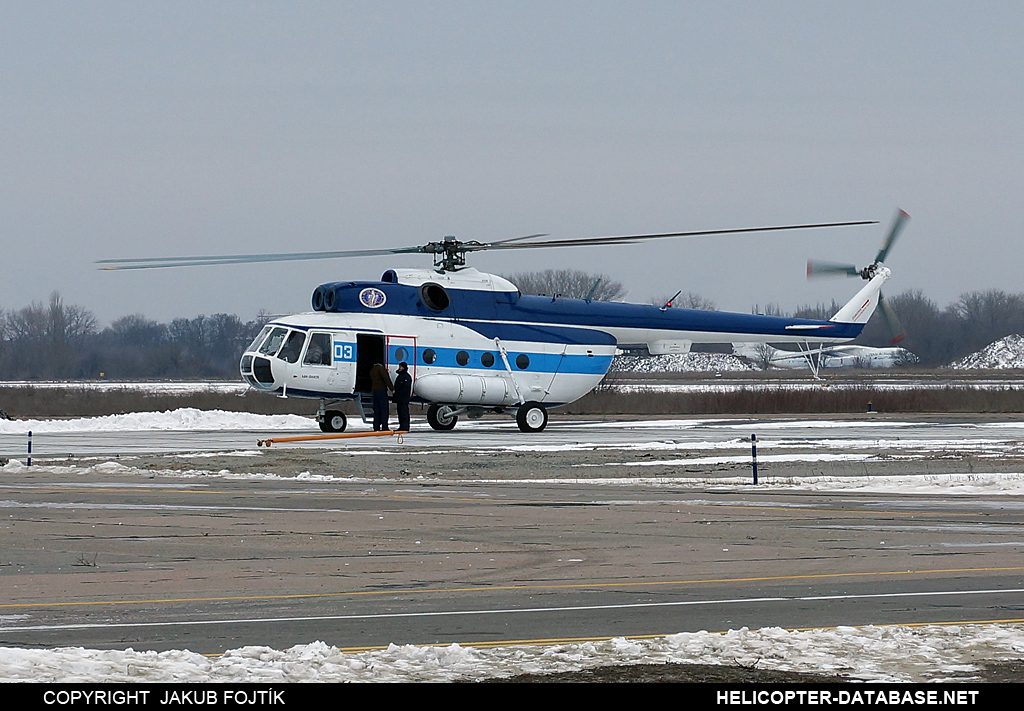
(369, 350)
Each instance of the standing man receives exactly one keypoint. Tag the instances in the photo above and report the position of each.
(403, 391)
(380, 384)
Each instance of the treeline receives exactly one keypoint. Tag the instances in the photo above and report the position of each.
(55, 340)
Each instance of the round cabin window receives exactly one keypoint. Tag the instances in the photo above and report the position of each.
(487, 359)
(429, 356)
(462, 358)
(522, 361)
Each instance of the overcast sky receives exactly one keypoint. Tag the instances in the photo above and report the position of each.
(134, 129)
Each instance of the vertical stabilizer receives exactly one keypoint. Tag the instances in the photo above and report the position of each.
(860, 307)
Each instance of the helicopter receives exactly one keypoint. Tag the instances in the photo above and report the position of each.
(474, 344)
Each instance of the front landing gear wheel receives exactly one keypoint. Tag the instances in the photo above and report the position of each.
(441, 417)
(334, 421)
(531, 417)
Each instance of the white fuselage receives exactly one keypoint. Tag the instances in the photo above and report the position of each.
(470, 339)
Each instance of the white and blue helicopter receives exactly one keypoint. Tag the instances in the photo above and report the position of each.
(474, 344)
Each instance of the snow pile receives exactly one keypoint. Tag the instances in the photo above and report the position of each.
(679, 362)
(1005, 353)
(161, 387)
(184, 419)
(894, 653)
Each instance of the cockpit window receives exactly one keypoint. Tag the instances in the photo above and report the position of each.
(273, 343)
(259, 339)
(319, 350)
(292, 347)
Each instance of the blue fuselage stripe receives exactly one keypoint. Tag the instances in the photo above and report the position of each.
(509, 316)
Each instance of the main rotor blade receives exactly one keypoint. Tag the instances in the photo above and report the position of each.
(446, 247)
(512, 239)
(163, 262)
(897, 226)
(632, 239)
(821, 269)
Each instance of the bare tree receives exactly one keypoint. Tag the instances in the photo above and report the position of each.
(45, 338)
(568, 283)
(137, 331)
(764, 354)
(989, 315)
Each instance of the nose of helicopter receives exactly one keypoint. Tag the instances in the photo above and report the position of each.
(257, 370)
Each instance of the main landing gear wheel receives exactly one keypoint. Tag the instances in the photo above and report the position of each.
(531, 417)
(334, 421)
(441, 417)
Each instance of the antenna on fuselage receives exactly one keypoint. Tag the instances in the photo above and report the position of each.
(668, 304)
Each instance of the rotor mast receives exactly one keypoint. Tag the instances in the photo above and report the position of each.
(450, 253)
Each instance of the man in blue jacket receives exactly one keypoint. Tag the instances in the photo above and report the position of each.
(403, 391)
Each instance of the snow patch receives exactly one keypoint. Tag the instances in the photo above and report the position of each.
(186, 419)
(893, 653)
(679, 362)
(1004, 354)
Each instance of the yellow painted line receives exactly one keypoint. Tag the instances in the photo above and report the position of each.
(506, 588)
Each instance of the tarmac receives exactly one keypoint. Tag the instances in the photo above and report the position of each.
(487, 536)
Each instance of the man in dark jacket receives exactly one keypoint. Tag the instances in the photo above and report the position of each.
(380, 384)
(403, 391)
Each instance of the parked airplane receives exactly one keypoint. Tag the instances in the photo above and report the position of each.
(474, 344)
(851, 356)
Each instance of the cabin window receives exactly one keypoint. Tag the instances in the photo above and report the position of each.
(487, 359)
(434, 296)
(261, 371)
(259, 339)
(318, 352)
(522, 361)
(273, 343)
(292, 347)
(429, 356)
(462, 358)
(401, 354)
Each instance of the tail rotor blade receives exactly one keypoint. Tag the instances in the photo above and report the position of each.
(892, 322)
(825, 269)
(897, 226)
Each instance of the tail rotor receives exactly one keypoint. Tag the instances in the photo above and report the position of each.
(825, 269)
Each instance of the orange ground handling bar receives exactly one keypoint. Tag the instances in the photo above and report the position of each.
(342, 435)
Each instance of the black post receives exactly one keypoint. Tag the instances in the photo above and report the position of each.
(30, 448)
(753, 455)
